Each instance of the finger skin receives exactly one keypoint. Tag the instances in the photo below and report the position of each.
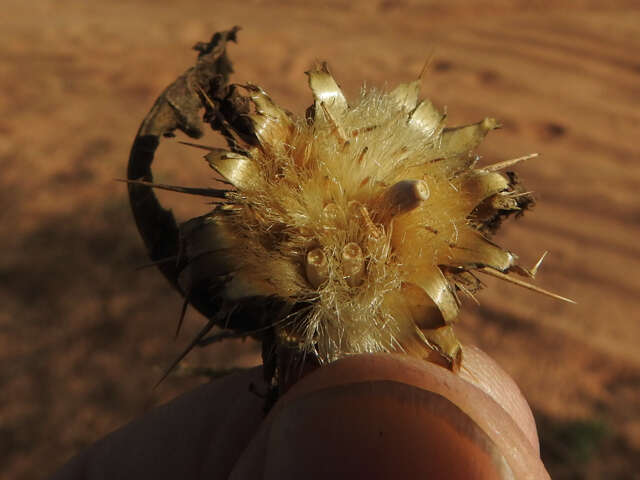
(364, 415)
(373, 430)
(480, 370)
(198, 435)
(327, 414)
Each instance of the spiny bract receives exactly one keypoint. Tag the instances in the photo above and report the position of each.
(366, 220)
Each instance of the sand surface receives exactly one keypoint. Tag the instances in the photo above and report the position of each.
(84, 336)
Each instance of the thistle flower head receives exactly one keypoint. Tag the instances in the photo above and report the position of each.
(363, 221)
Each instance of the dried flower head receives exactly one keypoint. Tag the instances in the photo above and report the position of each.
(364, 221)
(352, 229)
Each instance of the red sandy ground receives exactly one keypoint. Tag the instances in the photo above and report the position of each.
(83, 336)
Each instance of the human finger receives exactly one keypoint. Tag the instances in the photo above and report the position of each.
(391, 416)
(198, 435)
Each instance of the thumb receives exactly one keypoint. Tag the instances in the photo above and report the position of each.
(393, 416)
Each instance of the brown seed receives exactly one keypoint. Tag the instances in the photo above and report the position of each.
(353, 264)
(405, 195)
(331, 212)
(316, 268)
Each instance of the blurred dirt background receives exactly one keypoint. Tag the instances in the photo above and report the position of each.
(84, 336)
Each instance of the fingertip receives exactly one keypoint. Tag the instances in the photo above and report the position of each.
(482, 371)
(378, 429)
(435, 416)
